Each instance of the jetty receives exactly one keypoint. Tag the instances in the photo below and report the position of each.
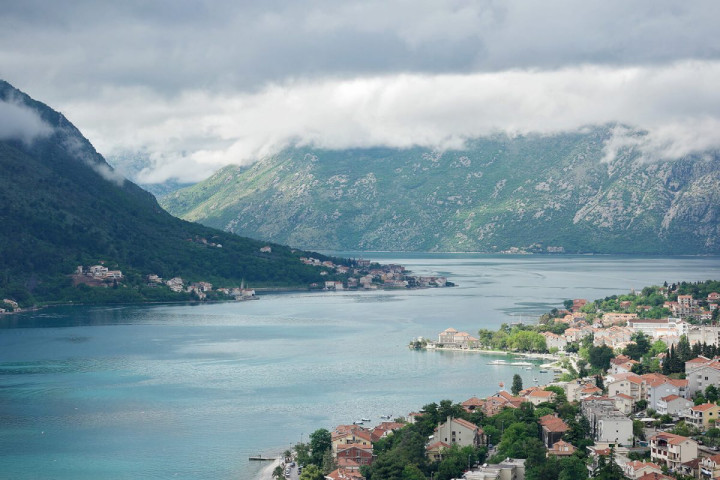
(262, 459)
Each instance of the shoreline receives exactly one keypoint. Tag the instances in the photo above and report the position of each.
(265, 290)
(267, 471)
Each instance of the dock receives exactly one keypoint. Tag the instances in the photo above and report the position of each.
(260, 458)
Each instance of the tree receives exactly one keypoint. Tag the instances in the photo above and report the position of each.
(447, 409)
(599, 382)
(608, 469)
(517, 384)
(302, 453)
(599, 357)
(560, 396)
(572, 468)
(278, 472)
(639, 348)
(711, 394)
(328, 462)
(456, 460)
(320, 442)
(412, 472)
(312, 472)
(684, 351)
(638, 429)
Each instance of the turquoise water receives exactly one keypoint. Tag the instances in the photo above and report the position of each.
(191, 391)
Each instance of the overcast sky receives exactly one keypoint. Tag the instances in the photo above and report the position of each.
(199, 84)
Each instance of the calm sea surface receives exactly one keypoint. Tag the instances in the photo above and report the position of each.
(190, 392)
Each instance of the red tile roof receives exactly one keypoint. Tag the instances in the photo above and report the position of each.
(467, 424)
(344, 474)
(551, 423)
(670, 398)
(437, 446)
(703, 407)
(655, 476)
(671, 438)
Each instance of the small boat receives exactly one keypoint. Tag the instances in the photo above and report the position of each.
(528, 368)
(543, 371)
(386, 417)
(521, 364)
(358, 422)
(535, 380)
(365, 419)
(497, 362)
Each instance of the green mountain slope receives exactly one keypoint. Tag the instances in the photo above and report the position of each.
(62, 206)
(534, 193)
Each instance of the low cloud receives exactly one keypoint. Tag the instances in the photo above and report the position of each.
(193, 134)
(20, 122)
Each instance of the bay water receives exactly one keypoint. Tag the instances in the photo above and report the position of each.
(192, 391)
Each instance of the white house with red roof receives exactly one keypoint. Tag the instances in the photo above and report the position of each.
(561, 448)
(636, 469)
(456, 431)
(627, 383)
(672, 450)
(538, 396)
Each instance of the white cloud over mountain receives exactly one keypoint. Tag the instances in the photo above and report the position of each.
(201, 84)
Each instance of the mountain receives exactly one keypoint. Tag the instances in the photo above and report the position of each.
(527, 193)
(62, 205)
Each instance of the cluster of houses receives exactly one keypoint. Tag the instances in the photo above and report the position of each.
(352, 447)
(100, 272)
(8, 305)
(616, 328)
(361, 276)
(611, 422)
(201, 289)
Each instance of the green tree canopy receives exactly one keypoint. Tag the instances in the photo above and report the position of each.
(320, 442)
(517, 384)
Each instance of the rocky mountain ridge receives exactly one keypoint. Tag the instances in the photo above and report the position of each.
(528, 193)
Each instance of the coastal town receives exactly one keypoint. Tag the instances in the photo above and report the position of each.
(632, 398)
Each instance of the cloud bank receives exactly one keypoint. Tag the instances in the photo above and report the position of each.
(199, 84)
(678, 105)
(19, 122)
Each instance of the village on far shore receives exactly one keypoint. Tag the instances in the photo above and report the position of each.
(361, 274)
(633, 398)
